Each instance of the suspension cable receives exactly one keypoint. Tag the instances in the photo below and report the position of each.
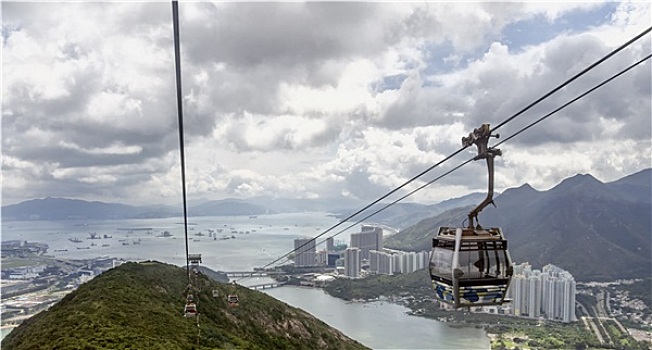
(496, 145)
(573, 100)
(177, 61)
(584, 71)
(453, 169)
(360, 210)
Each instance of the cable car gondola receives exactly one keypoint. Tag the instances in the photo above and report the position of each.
(233, 299)
(190, 310)
(471, 266)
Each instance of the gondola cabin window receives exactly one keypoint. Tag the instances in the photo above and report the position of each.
(470, 267)
(441, 261)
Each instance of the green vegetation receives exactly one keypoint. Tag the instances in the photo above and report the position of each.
(543, 335)
(639, 290)
(416, 284)
(507, 332)
(550, 335)
(140, 306)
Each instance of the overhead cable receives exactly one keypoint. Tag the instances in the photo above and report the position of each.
(573, 100)
(177, 62)
(584, 71)
(460, 150)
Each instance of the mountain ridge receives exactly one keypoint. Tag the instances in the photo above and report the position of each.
(140, 306)
(595, 230)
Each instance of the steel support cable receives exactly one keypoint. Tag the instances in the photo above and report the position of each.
(177, 62)
(584, 71)
(361, 210)
(498, 144)
(573, 100)
(399, 199)
(471, 159)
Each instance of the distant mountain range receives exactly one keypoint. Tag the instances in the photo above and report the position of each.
(399, 215)
(595, 230)
(67, 209)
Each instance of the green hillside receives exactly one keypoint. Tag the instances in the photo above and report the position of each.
(140, 306)
(596, 231)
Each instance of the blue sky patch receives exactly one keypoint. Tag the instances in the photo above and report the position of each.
(391, 82)
(538, 29)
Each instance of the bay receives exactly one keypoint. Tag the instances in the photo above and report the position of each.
(252, 242)
(381, 325)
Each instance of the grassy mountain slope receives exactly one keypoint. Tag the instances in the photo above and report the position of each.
(594, 230)
(140, 306)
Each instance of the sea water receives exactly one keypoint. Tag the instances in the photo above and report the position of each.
(244, 243)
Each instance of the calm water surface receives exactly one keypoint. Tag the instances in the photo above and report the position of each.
(381, 325)
(377, 325)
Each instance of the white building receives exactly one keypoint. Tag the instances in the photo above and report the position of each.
(330, 244)
(352, 262)
(549, 293)
(370, 238)
(389, 263)
(305, 252)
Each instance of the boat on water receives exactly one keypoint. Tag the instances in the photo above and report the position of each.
(165, 234)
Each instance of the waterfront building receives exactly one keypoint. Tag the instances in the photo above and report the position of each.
(397, 263)
(381, 262)
(352, 262)
(549, 293)
(389, 263)
(322, 258)
(304, 252)
(330, 244)
(369, 238)
(374, 257)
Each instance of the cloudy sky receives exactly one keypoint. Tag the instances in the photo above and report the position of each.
(313, 100)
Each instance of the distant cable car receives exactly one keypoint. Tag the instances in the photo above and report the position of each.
(232, 299)
(471, 266)
(190, 310)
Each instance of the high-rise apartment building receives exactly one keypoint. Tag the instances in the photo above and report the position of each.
(305, 252)
(397, 262)
(330, 244)
(322, 258)
(381, 262)
(352, 262)
(549, 293)
(369, 238)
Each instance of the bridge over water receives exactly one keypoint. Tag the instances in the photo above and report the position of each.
(249, 273)
(266, 285)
